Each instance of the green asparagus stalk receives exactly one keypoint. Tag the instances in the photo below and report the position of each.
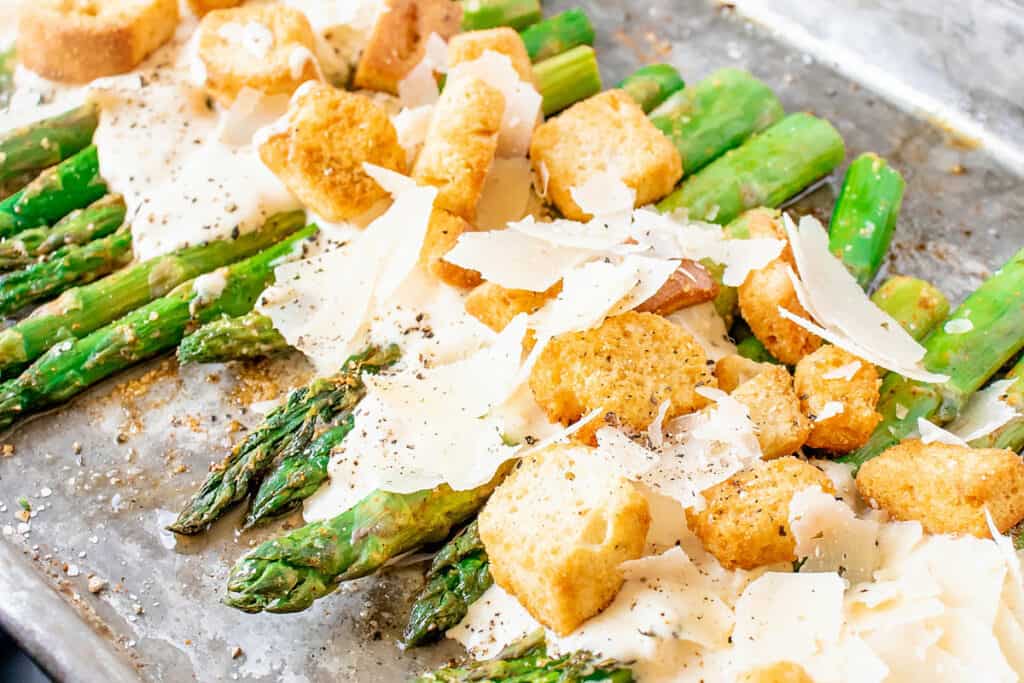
(8, 61)
(1011, 434)
(765, 171)
(39, 145)
(72, 184)
(72, 366)
(297, 476)
(864, 218)
(567, 78)
(918, 306)
(528, 661)
(81, 226)
(558, 34)
(287, 574)
(970, 358)
(252, 335)
(650, 85)
(288, 429)
(70, 266)
(483, 14)
(719, 113)
(81, 310)
(458, 576)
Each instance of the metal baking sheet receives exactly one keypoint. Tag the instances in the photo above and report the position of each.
(103, 474)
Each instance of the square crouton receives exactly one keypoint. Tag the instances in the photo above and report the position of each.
(460, 145)
(606, 132)
(774, 409)
(779, 672)
(399, 38)
(201, 7)
(264, 47)
(320, 159)
(79, 40)
(495, 306)
(471, 45)
(745, 523)
(442, 233)
(946, 488)
(556, 532)
(760, 297)
(830, 380)
(627, 367)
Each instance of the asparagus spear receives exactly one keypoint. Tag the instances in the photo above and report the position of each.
(765, 171)
(706, 120)
(42, 144)
(864, 218)
(81, 310)
(528, 661)
(72, 366)
(287, 574)
(70, 266)
(969, 358)
(252, 335)
(71, 184)
(1011, 434)
(918, 306)
(458, 576)
(482, 14)
(287, 429)
(99, 219)
(650, 85)
(567, 78)
(558, 34)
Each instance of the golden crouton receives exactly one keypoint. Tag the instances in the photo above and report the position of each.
(556, 531)
(733, 370)
(320, 158)
(471, 45)
(495, 306)
(460, 144)
(201, 7)
(627, 367)
(774, 409)
(779, 672)
(264, 47)
(398, 40)
(79, 40)
(858, 395)
(607, 132)
(946, 488)
(745, 523)
(760, 297)
(442, 233)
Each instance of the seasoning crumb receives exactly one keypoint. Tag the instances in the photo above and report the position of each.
(7, 450)
(236, 652)
(96, 584)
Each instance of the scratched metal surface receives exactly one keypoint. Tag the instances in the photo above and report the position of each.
(102, 473)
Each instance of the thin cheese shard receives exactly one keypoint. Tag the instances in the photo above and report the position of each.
(706, 326)
(985, 412)
(514, 259)
(506, 194)
(932, 433)
(830, 538)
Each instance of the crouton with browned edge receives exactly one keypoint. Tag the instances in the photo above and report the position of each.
(495, 306)
(442, 233)
(821, 380)
(774, 409)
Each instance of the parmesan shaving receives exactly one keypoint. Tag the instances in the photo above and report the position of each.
(419, 87)
(985, 412)
(932, 433)
(706, 326)
(830, 537)
(830, 409)
(845, 315)
(506, 194)
(514, 259)
(843, 372)
(958, 326)
(411, 125)
(604, 194)
(588, 294)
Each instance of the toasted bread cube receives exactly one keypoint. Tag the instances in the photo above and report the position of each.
(320, 157)
(398, 40)
(818, 384)
(201, 7)
(946, 488)
(606, 132)
(495, 306)
(556, 531)
(775, 411)
(745, 523)
(779, 672)
(471, 45)
(733, 370)
(442, 233)
(627, 367)
(760, 297)
(264, 47)
(460, 145)
(79, 40)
